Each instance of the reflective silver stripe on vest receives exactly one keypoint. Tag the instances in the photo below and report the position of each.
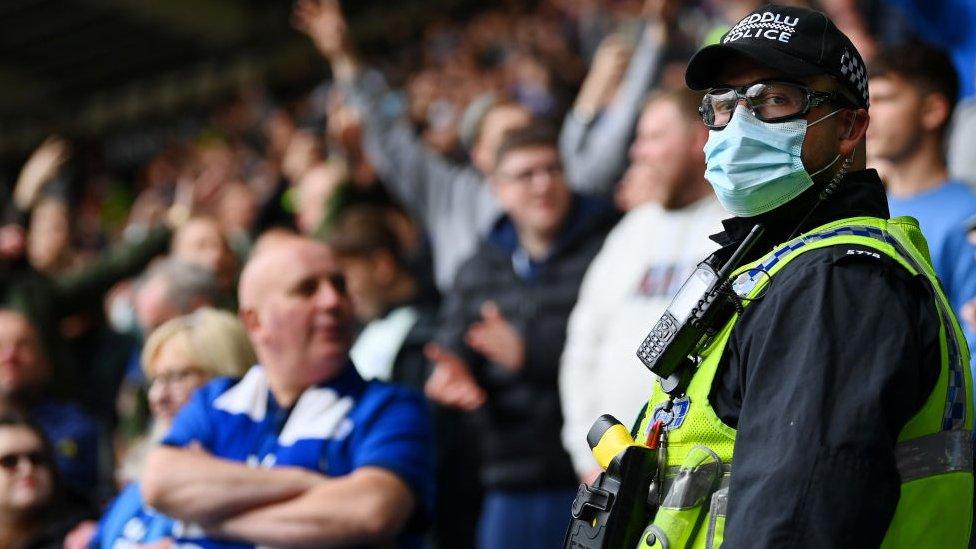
(930, 455)
(954, 417)
(671, 473)
(942, 452)
(718, 508)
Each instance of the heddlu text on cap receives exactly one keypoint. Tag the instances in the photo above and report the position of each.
(768, 25)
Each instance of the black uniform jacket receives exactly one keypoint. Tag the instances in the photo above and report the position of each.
(819, 377)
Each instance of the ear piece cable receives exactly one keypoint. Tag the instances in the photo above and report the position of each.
(733, 297)
(831, 186)
(739, 301)
(828, 190)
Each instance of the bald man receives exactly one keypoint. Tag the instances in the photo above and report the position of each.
(302, 450)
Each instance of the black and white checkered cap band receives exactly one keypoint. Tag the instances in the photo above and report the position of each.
(853, 69)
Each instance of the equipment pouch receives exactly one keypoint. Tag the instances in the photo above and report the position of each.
(681, 516)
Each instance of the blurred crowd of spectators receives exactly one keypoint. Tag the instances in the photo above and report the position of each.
(463, 208)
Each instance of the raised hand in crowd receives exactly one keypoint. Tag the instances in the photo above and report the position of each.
(451, 383)
(345, 133)
(496, 338)
(201, 192)
(662, 11)
(39, 170)
(324, 23)
(152, 207)
(609, 65)
(149, 208)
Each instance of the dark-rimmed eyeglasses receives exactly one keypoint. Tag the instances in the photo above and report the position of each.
(10, 461)
(769, 101)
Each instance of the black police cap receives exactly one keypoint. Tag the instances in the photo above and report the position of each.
(798, 42)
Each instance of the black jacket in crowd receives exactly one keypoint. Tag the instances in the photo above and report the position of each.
(819, 377)
(519, 425)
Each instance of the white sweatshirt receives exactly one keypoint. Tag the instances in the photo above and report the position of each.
(631, 281)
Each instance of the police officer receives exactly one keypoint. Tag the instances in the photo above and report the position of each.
(835, 399)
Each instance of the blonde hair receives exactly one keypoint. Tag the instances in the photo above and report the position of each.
(216, 341)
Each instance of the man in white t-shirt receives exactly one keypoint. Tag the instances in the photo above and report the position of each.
(641, 265)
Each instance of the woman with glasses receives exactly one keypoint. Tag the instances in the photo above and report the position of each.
(179, 357)
(34, 511)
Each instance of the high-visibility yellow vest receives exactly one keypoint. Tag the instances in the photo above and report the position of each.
(934, 452)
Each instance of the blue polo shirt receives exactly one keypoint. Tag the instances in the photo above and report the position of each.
(334, 428)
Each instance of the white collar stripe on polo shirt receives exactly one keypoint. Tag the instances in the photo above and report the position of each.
(320, 412)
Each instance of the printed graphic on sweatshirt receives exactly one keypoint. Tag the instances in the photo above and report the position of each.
(662, 280)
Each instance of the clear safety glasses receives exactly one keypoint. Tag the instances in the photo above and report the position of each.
(769, 101)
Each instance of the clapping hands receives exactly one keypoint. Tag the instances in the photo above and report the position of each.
(451, 383)
(497, 339)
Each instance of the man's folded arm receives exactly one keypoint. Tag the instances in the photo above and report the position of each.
(368, 506)
(190, 485)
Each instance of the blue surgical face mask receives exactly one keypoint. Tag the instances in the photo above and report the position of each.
(756, 166)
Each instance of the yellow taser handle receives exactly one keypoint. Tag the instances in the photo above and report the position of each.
(608, 438)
